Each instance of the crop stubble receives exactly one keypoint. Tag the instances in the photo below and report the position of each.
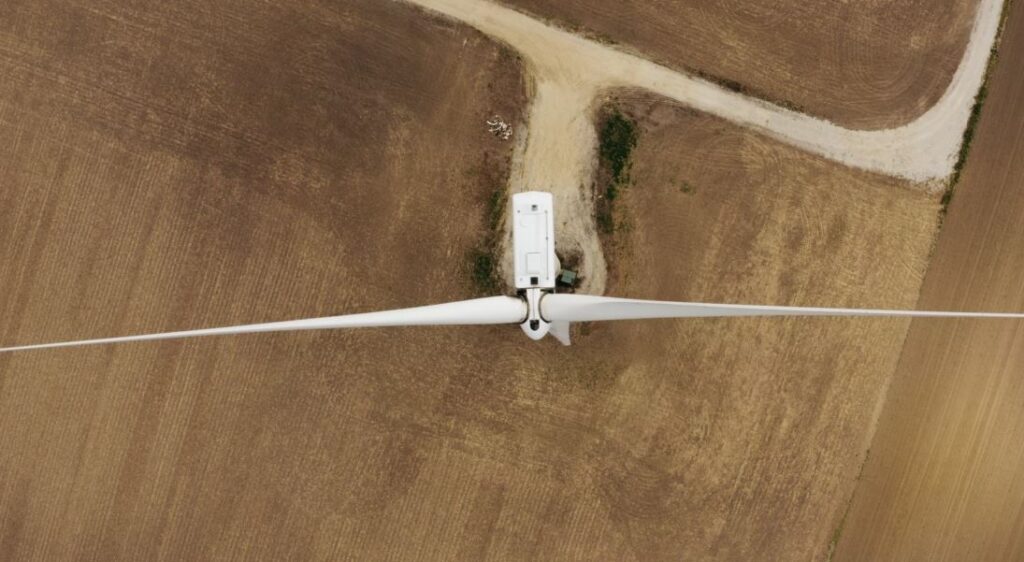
(943, 481)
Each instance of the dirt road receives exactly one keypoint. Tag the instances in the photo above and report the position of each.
(571, 71)
(559, 156)
(864, 65)
(943, 480)
(921, 150)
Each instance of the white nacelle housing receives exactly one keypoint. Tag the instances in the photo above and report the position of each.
(534, 240)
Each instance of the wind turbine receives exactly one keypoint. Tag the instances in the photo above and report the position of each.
(537, 308)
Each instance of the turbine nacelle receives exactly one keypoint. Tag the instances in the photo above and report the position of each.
(536, 265)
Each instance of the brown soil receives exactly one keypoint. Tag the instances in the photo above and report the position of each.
(943, 481)
(178, 165)
(861, 64)
(748, 435)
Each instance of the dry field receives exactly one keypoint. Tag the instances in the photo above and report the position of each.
(189, 165)
(861, 64)
(747, 435)
(165, 166)
(943, 481)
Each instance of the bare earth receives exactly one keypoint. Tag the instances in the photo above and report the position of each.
(943, 481)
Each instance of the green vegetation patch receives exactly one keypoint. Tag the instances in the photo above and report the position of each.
(485, 270)
(617, 137)
(483, 259)
(972, 121)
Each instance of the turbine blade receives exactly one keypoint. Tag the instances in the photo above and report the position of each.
(490, 310)
(560, 331)
(587, 308)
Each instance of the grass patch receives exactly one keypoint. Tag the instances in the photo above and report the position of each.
(485, 270)
(617, 137)
(835, 536)
(483, 259)
(838, 532)
(972, 121)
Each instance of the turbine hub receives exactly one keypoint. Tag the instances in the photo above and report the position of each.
(535, 326)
